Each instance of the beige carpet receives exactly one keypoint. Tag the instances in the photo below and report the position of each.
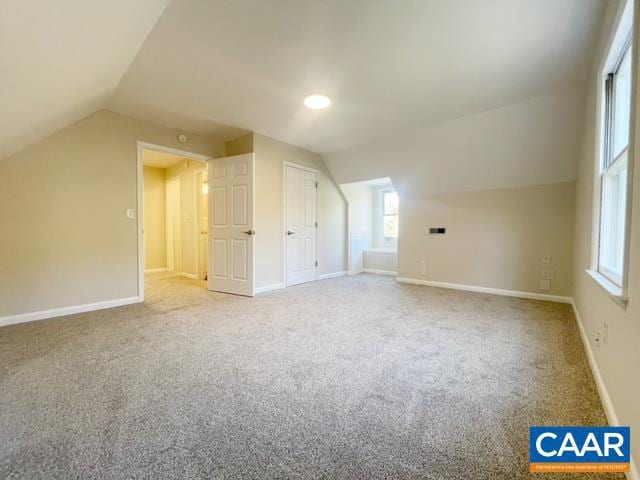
(350, 378)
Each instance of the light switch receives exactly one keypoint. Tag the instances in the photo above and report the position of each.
(130, 213)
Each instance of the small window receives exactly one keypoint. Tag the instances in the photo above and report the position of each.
(390, 214)
(614, 168)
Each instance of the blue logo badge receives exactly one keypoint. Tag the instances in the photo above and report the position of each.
(579, 449)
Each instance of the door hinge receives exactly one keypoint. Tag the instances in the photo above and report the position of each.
(316, 263)
(317, 184)
(316, 224)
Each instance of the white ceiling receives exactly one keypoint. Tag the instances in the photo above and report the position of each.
(374, 182)
(378, 182)
(387, 65)
(533, 142)
(60, 61)
(220, 66)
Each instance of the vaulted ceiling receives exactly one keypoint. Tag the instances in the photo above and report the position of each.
(61, 60)
(216, 66)
(387, 65)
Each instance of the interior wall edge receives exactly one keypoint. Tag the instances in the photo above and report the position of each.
(605, 398)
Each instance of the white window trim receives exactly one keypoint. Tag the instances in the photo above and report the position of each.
(615, 47)
(397, 215)
(613, 290)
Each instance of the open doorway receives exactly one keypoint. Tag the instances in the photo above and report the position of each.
(373, 226)
(174, 214)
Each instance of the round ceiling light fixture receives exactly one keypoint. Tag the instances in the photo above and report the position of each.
(317, 102)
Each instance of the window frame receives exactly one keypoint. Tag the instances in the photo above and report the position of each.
(612, 165)
(384, 215)
(621, 43)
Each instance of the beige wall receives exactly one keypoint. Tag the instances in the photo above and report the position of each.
(269, 211)
(64, 236)
(154, 218)
(65, 239)
(269, 208)
(360, 199)
(240, 145)
(619, 360)
(495, 238)
(186, 171)
(381, 261)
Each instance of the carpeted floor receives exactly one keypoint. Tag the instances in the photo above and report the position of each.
(350, 378)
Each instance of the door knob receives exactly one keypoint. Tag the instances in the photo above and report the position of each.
(289, 232)
(250, 232)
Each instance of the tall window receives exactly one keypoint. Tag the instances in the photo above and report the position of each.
(390, 214)
(614, 168)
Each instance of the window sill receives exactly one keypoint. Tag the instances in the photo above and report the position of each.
(610, 288)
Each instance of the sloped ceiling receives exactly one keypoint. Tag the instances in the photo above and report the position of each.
(403, 76)
(533, 142)
(388, 65)
(61, 60)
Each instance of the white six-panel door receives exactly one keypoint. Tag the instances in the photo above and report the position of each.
(300, 224)
(231, 233)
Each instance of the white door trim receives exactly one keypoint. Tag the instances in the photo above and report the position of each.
(285, 164)
(140, 147)
(196, 200)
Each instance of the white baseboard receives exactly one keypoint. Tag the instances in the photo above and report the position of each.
(379, 272)
(609, 411)
(602, 389)
(354, 272)
(268, 288)
(155, 270)
(332, 275)
(277, 286)
(492, 291)
(59, 312)
(189, 275)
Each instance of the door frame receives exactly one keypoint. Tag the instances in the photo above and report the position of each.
(285, 164)
(196, 199)
(140, 148)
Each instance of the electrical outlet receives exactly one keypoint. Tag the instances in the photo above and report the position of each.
(423, 267)
(130, 213)
(546, 259)
(605, 334)
(545, 285)
(547, 274)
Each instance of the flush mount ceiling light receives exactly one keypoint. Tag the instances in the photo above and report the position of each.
(317, 102)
